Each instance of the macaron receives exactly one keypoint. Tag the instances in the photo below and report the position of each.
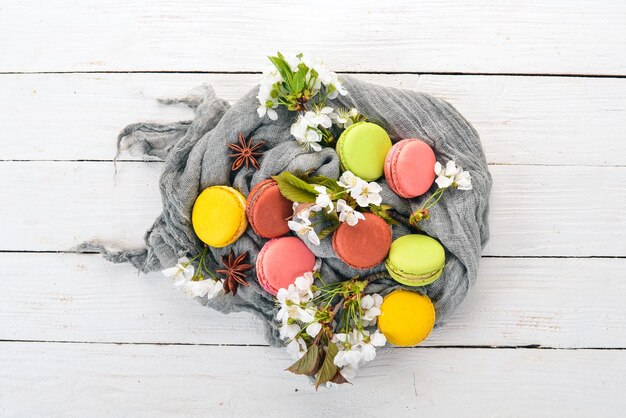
(415, 260)
(365, 244)
(410, 168)
(362, 149)
(219, 216)
(281, 261)
(406, 317)
(268, 210)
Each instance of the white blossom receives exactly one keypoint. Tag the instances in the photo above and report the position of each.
(302, 211)
(463, 180)
(306, 135)
(323, 199)
(357, 347)
(303, 285)
(182, 272)
(288, 295)
(349, 351)
(288, 331)
(347, 213)
(369, 343)
(453, 176)
(313, 329)
(296, 348)
(370, 304)
(267, 103)
(344, 117)
(293, 303)
(349, 181)
(367, 193)
(319, 117)
(304, 230)
(200, 288)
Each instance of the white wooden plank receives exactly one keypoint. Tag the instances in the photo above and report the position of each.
(515, 302)
(536, 210)
(106, 380)
(522, 120)
(455, 36)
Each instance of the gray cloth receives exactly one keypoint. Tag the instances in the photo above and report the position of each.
(196, 156)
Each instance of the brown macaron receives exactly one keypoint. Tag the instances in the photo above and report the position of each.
(268, 210)
(365, 244)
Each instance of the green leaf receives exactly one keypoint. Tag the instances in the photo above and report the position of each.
(328, 369)
(327, 182)
(327, 231)
(308, 363)
(383, 212)
(299, 78)
(334, 224)
(283, 68)
(295, 189)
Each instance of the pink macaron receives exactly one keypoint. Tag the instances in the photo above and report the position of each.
(410, 168)
(281, 261)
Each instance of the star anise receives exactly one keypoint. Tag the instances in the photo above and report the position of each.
(245, 152)
(235, 271)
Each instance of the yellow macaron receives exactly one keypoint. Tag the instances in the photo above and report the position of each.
(219, 216)
(406, 317)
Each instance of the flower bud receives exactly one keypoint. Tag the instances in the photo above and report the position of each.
(419, 215)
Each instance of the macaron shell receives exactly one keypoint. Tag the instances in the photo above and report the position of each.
(268, 210)
(415, 260)
(218, 216)
(406, 318)
(409, 168)
(365, 244)
(362, 149)
(281, 261)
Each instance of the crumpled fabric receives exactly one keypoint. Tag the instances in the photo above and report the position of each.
(196, 157)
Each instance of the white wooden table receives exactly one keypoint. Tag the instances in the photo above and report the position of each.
(543, 332)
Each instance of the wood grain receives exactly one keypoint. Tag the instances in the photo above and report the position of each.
(515, 302)
(535, 210)
(521, 120)
(574, 37)
(137, 380)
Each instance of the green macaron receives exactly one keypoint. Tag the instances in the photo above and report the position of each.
(415, 260)
(362, 149)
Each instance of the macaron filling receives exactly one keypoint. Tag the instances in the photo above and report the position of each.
(413, 279)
